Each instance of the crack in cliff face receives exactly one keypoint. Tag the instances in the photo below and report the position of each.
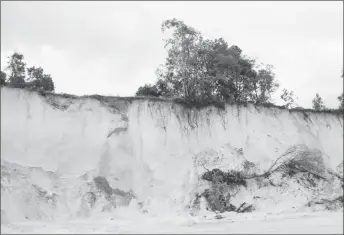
(223, 118)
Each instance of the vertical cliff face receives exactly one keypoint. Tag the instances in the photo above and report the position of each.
(155, 148)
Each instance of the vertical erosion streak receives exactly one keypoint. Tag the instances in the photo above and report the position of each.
(26, 121)
(134, 127)
(139, 133)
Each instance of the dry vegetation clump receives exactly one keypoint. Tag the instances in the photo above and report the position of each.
(112, 194)
(298, 162)
(223, 186)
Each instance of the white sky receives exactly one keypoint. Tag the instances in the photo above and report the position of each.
(112, 48)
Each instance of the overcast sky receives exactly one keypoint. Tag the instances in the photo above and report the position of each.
(112, 48)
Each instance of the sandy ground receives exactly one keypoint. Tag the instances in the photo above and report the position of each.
(314, 223)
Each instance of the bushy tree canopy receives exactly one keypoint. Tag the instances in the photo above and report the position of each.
(38, 80)
(35, 79)
(16, 66)
(198, 69)
(318, 103)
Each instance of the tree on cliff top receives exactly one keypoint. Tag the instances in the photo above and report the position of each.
(16, 65)
(198, 69)
(36, 78)
(318, 103)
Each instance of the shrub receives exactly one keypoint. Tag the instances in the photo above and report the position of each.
(224, 186)
(111, 194)
(148, 90)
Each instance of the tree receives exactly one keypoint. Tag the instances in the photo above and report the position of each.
(34, 73)
(3, 78)
(199, 70)
(38, 80)
(289, 98)
(318, 103)
(17, 67)
(47, 83)
(264, 85)
(181, 59)
(35, 76)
